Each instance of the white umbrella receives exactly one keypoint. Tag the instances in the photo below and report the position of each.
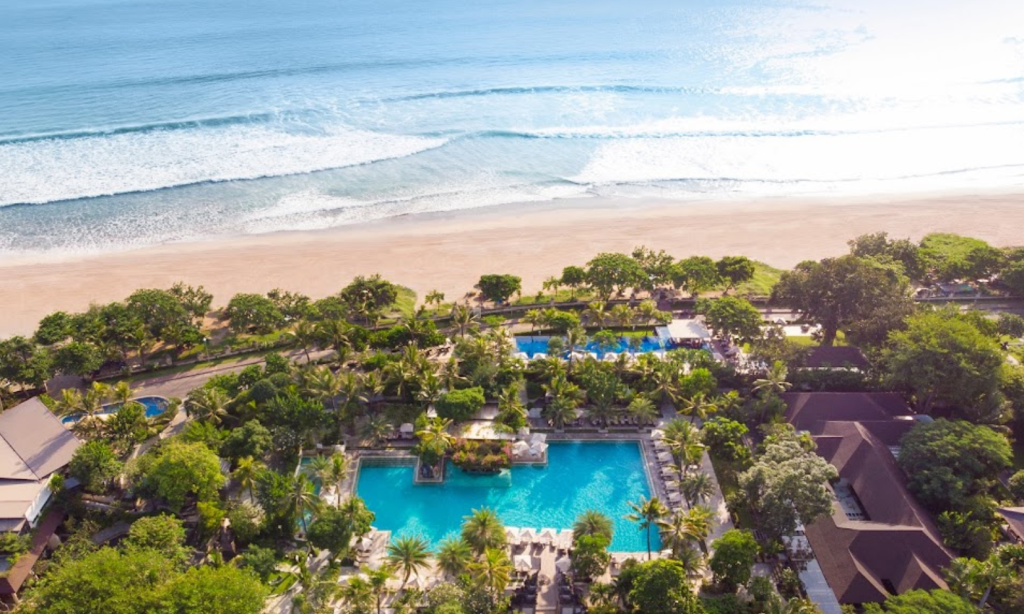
(523, 432)
(512, 535)
(520, 447)
(565, 538)
(538, 438)
(407, 428)
(540, 448)
(657, 434)
(611, 357)
(548, 536)
(527, 535)
(563, 564)
(523, 562)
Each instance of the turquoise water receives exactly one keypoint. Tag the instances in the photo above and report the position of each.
(535, 344)
(579, 476)
(154, 407)
(130, 123)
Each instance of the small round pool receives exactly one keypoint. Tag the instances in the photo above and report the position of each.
(154, 407)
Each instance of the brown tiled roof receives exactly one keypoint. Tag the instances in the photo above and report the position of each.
(836, 356)
(897, 547)
(1014, 517)
(805, 409)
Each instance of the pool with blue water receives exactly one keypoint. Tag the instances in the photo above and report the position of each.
(580, 476)
(154, 407)
(532, 345)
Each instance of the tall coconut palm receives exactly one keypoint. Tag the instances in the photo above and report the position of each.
(601, 595)
(553, 284)
(596, 313)
(377, 580)
(593, 522)
(664, 383)
(642, 410)
(697, 487)
(121, 393)
(683, 441)
(774, 382)
(692, 560)
(325, 386)
(335, 334)
(622, 315)
(377, 429)
(357, 594)
(700, 520)
(647, 311)
(463, 319)
(305, 335)
(482, 530)
(302, 499)
(335, 474)
(409, 555)
(698, 407)
(454, 555)
(492, 570)
(70, 402)
(429, 389)
(575, 338)
(246, 472)
(208, 405)
(675, 532)
(434, 298)
(511, 410)
(646, 513)
(434, 436)
(533, 317)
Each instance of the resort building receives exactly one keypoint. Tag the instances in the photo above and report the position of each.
(878, 541)
(33, 446)
(1013, 521)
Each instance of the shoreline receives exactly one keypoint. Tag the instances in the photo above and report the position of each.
(449, 250)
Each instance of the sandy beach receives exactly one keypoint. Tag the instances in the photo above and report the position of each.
(450, 251)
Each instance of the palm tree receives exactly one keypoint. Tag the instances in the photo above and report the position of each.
(683, 441)
(325, 386)
(593, 522)
(775, 380)
(575, 337)
(454, 555)
(429, 389)
(622, 315)
(647, 310)
(675, 532)
(483, 530)
(565, 398)
(697, 487)
(510, 406)
(601, 595)
(533, 317)
(335, 474)
(435, 298)
(70, 402)
(208, 405)
(334, 334)
(492, 570)
(643, 410)
(245, 473)
(595, 312)
(463, 318)
(435, 436)
(409, 555)
(121, 393)
(377, 429)
(700, 520)
(305, 335)
(646, 513)
(552, 283)
(377, 580)
(357, 594)
(698, 407)
(691, 559)
(302, 499)
(664, 382)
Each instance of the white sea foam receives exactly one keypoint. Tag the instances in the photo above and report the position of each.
(41, 171)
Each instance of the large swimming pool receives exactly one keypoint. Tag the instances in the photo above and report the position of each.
(539, 344)
(579, 476)
(154, 407)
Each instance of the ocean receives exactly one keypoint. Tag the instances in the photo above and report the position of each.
(126, 123)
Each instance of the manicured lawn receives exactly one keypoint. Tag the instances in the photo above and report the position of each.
(765, 278)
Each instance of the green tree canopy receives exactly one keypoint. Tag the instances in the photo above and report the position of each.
(499, 288)
(253, 313)
(214, 590)
(369, 296)
(948, 461)
(922, 602)
(735, 553)
(609, 273)
(460, 405)
(333, 528)
(161, 312)
(78, 358)
(949, 256)
(178, 469)
(734, 270)
(732, 317)
(695, 275)
(94, 465)
(661, 587)
(163, 533)
(787, 484)
(944, 360)
(23, 362)
(863, 297)
(879, 247)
